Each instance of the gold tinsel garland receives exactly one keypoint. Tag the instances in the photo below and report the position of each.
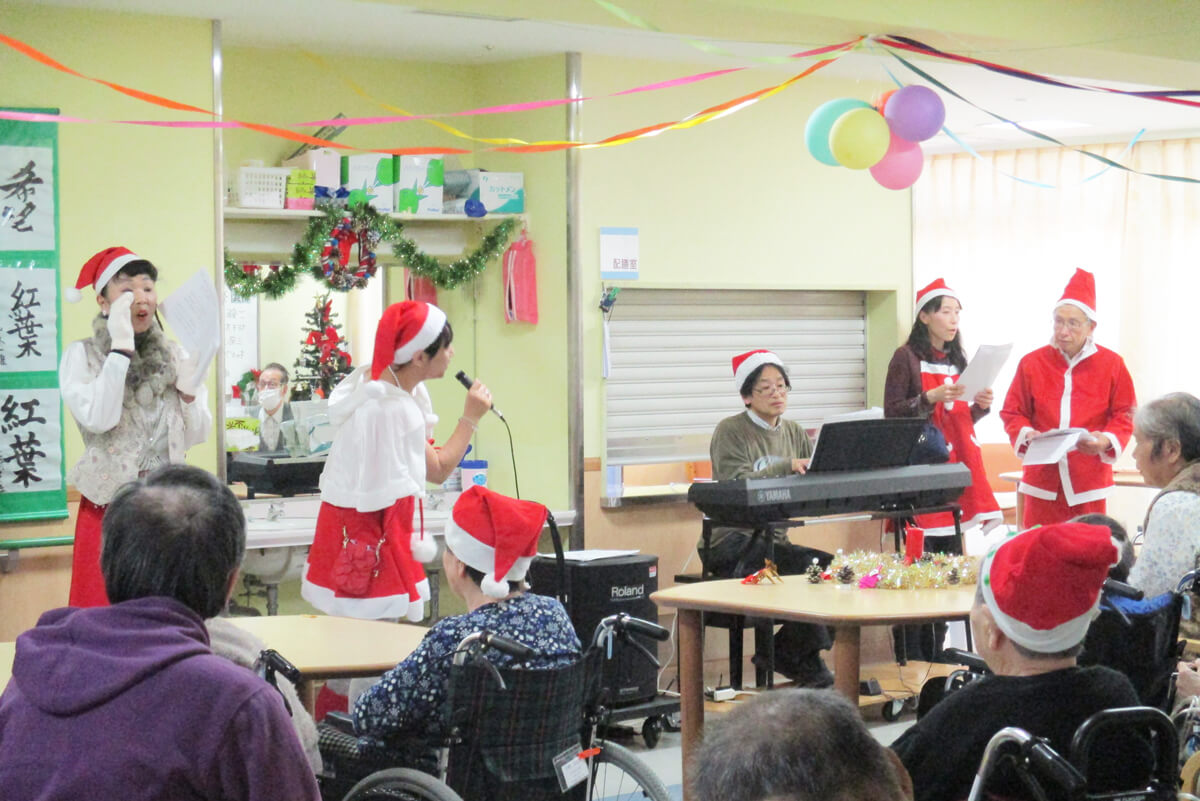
(888, 571)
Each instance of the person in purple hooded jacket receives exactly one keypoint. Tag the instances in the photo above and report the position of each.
(128, 702)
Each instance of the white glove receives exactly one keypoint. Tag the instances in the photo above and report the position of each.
(192, 370)
(120, 322)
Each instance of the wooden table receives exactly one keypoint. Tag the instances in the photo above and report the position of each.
(327, 647)
(1121, 478)
(846, 609)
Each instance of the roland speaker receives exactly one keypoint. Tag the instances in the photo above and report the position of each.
(604, 587)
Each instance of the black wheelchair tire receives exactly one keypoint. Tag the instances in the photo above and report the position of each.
(413, 783)
(651, 730)
(618, 774)
(893, 708)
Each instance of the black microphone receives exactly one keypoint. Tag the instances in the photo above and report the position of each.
(466, 381)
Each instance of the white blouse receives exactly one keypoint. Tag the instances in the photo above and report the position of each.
(1172, 540)
(378, 452)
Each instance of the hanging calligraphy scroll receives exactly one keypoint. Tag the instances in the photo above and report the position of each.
(32, 480)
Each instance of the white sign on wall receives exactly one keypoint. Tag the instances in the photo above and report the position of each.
(241, 337)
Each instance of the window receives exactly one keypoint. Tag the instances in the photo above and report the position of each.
(671, 377)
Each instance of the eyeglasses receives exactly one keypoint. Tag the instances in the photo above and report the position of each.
(1070, 325)
(271, 384)
(771, 389)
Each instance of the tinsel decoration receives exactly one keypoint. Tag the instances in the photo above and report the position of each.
(459, 271)
(939, 571)
(247, 280)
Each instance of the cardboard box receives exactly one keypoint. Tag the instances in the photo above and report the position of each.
(324, 162)
(371, 176)
(419, 188)
(502, 192)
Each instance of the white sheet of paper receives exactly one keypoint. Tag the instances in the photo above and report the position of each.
(193, 312)
(593, 554)
(981, 371)
(1051, 447)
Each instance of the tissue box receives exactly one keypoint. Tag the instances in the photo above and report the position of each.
(419, 188)
(502, 192)
(371, 176)
(325, 163)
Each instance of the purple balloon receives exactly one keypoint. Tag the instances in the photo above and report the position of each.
(915, 113)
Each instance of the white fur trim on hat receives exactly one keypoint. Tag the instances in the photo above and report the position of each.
(936, 293)
(435, 321)
(752, 363)
(1083, 307)
(112, 269)
(474, 553)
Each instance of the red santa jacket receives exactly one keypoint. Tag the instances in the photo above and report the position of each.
(1092, 391)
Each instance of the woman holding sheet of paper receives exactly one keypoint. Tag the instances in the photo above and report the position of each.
(139, 400)
(921, 382)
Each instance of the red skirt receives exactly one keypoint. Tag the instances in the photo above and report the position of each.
(398, 587)
(87, 583)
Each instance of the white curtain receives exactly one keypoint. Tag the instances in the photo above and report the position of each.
(1008, 249)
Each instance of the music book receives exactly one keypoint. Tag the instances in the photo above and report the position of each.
(1051, 447)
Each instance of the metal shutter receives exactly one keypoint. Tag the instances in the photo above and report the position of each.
(671, 380)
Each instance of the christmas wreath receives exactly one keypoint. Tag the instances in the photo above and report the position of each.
(325, 252)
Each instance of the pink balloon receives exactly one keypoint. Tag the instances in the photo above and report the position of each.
(901, 166)
(915, 113)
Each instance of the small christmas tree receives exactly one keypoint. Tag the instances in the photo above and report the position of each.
(322, 363)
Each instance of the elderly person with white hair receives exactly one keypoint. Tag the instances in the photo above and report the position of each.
(1167, 431)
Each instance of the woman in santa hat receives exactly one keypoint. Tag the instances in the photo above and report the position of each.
(491, 540)
(365, 558)
(921, 382)
(139, 400)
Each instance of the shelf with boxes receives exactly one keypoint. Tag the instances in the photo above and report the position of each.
(270, 233)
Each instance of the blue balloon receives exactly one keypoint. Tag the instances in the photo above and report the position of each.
(474, 208)
(820, 122)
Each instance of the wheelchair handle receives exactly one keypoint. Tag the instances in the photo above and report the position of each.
(271, 661)
(1114, 587)
(516, 650)
(1047, 762)
(645, 627)
(970, 659)
(992, 754)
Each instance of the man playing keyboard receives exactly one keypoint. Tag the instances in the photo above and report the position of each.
(759, 443)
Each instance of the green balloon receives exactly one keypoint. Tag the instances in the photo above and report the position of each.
(820, 123)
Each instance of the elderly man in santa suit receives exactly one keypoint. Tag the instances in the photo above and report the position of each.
(1070, 383)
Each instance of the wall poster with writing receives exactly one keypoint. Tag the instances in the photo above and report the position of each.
(32, 479)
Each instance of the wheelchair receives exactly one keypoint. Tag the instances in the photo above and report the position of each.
(525, 735)
(1045, 774)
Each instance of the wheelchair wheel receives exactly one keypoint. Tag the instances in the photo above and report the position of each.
(618, 775)
(401, 783)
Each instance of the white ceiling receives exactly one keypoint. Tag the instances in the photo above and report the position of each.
(401, 32)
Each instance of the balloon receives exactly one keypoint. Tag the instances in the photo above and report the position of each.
(820, 122)
(859, 138)
(915, 113)
(901, 166)
(879, 102)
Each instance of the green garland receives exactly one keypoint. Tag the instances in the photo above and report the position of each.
(459, 271)
(307, 255)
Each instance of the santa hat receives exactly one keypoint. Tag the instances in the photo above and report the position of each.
(99, 270)
(1081, 293)
(404, 329)
(936, 289)
(746, 363)
(1042, 586)
(495, 534)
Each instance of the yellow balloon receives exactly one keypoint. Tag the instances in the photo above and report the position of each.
(859, 139)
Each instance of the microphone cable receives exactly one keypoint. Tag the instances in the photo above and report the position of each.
(512, 452)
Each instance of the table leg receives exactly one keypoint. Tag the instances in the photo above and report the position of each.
(307, 693)
(846, 659)
(691, 689)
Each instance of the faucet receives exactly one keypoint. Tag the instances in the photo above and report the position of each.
(434, 501)
(274, 512)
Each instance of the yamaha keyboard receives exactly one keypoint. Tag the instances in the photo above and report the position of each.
(761, 500)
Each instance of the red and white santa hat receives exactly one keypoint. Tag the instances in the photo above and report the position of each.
(1042, 586)
(1081, 293)
(746, 363)
(99, 270)
(404, 329)
(495, 534)
(936, 289)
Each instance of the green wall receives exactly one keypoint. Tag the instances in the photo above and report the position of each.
(149, 189)
(737, 203)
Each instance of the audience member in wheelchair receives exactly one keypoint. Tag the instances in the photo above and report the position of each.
(490, 541)
(128, 701)
(760, 443)
(1038, 591)
(1167, 431)
(1119, 571)
(796, 744)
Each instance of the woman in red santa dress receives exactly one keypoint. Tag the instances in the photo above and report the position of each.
(365, 558)
(921, 382)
